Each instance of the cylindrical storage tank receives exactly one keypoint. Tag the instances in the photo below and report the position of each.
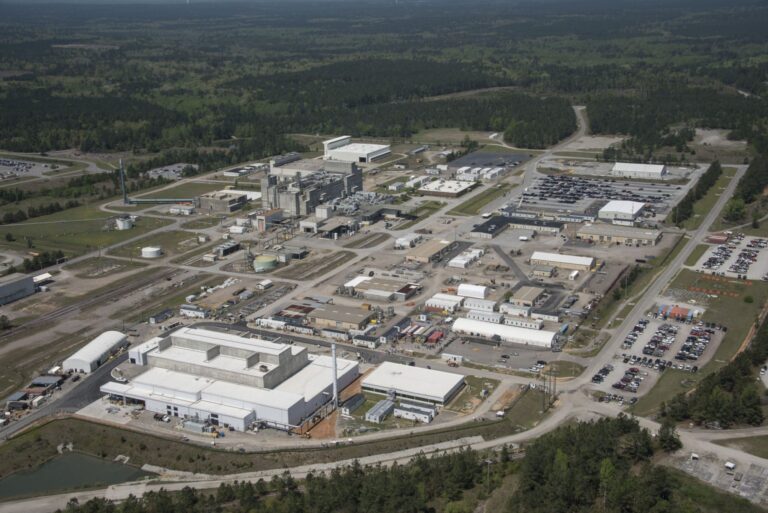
(264, 263)
(151, 252)
(123, 223)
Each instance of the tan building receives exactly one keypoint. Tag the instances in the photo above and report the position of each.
(526, 296)
(427, 252)
(339, 317)
(572, 262)
(616, 234)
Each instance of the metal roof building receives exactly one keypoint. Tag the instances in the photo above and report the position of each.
(93, 354)
(510, 334)
(562, 261)
(475, 291)
(414, 383)
(645, 171)
(621, 212)
(15, 286)
(616, 234)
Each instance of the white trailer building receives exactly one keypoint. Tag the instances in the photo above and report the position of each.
(504, 333)
(96, 352)
(343, 149)
(414, 383)
(482, 305)
(642, 171)
(485, 316)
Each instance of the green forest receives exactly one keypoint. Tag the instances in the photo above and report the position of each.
(604, 466)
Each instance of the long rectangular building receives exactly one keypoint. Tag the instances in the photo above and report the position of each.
(562, 261)
(616, 234)
(414, 383)
(505, 333)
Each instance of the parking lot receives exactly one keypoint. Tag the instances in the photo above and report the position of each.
(503, 357)
(654, 346)
(742, 257)
(578, 194)
(11, 169)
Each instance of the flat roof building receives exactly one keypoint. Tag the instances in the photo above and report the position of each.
(616, 234)
(470, 290)
(222, 202)
(526, 296)
(642, 171)
(562, 261)
(621, 212)
(96, 352)
(505, 333)
(490, 228)
(339, 317)
(414, 383)
(343, 149)
(15, 286)
(221, 378)
(447, 188)
(429, 251)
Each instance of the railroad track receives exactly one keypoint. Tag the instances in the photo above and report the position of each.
(87, 302)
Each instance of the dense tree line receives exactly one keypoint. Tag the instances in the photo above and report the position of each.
(647, 116)
(729, 396)
(41, 261)
(755, 179)
(684, 209)
(40, 210)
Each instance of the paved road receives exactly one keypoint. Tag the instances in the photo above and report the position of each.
(522, 278)
(79, 396)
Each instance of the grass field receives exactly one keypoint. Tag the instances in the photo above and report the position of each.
(471, 396)
(697, 253)
(707, 499)
(201, 223)
(732, 311)
(422, 212)
(566, 369)
(184, 190)
(74, 231)
(314, 267)
(757, 445)
(705, 204)
(98, 267)
(474, 205)
(153, 305)
(172, 242)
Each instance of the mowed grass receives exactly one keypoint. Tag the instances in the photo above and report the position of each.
(702, 207)
(75, 231)
(474, 205)
(201, 223)
(696, 254)
(731, 311)
(184, 190)
(471, 395)
(172, 242)
(757, 445)
(566, 369)
(98, 267)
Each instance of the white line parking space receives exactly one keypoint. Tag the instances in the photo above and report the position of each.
(741, 256)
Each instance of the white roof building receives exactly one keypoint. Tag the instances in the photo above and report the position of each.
(474, 291)
(95, 353)
(621, 212)
(562, 261)
(510, 334)
(424, 385)
(483, 305)
(646, 171)
(343, 149)
(226, 379)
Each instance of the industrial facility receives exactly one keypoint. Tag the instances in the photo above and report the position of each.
(224, 379)
(343, 149)
(621, 212)
(413, 383)
(299, 187)
(642, 171)
(15, 286)
(614, 234)
(562, 261)
(91, 356)
(505, 333)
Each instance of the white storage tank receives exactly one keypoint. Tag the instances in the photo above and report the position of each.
(151, 252)
(123, 223)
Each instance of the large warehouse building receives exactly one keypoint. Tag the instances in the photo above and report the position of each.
(562, 261)
(414, 383)
(343, 149)
(96, 352)
(226, 379)
(614, 234)
(621, 212)
(642, 171)
(15, 286)
(505, 333)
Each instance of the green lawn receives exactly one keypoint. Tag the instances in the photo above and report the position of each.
(474, 205)
(74, 231)
(696, 254)
(526, 411)
(173, 243)
(702, 207)
(201, 223)
(733, 312)
(98, 267)
(566, 369)
(470, 396)
(184, 190)
(707, 499)
(757, 445)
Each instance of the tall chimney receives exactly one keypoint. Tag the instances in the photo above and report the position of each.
(335, 377)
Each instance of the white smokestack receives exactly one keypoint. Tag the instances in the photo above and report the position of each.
(335, 377)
